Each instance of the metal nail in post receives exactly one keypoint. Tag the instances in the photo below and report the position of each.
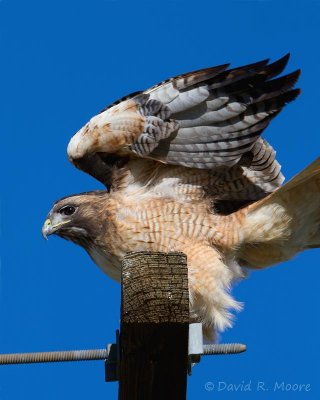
(111, 353)
(197, 348)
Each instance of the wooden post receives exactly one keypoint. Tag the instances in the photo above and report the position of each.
(154, 327)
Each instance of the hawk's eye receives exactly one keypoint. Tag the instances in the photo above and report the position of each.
(67, 210)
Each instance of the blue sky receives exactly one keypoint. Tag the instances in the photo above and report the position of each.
(61, 63)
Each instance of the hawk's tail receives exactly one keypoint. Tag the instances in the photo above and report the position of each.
(284, 223)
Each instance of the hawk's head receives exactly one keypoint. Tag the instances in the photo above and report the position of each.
(78, 218)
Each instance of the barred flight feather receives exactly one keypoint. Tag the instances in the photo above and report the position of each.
(208, 120)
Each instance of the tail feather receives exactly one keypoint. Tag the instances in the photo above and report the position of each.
(285, 222)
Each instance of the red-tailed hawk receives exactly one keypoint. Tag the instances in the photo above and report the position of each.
(186, 170)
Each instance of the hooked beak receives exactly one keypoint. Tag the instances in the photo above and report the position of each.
(49, 227)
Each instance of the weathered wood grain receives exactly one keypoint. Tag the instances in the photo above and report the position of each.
(154, 327)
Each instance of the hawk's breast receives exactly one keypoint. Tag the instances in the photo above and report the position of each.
(109, 264)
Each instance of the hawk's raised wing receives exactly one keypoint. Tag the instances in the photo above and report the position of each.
(195, 134)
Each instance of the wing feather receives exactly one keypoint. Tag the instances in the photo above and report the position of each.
(209, 119)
